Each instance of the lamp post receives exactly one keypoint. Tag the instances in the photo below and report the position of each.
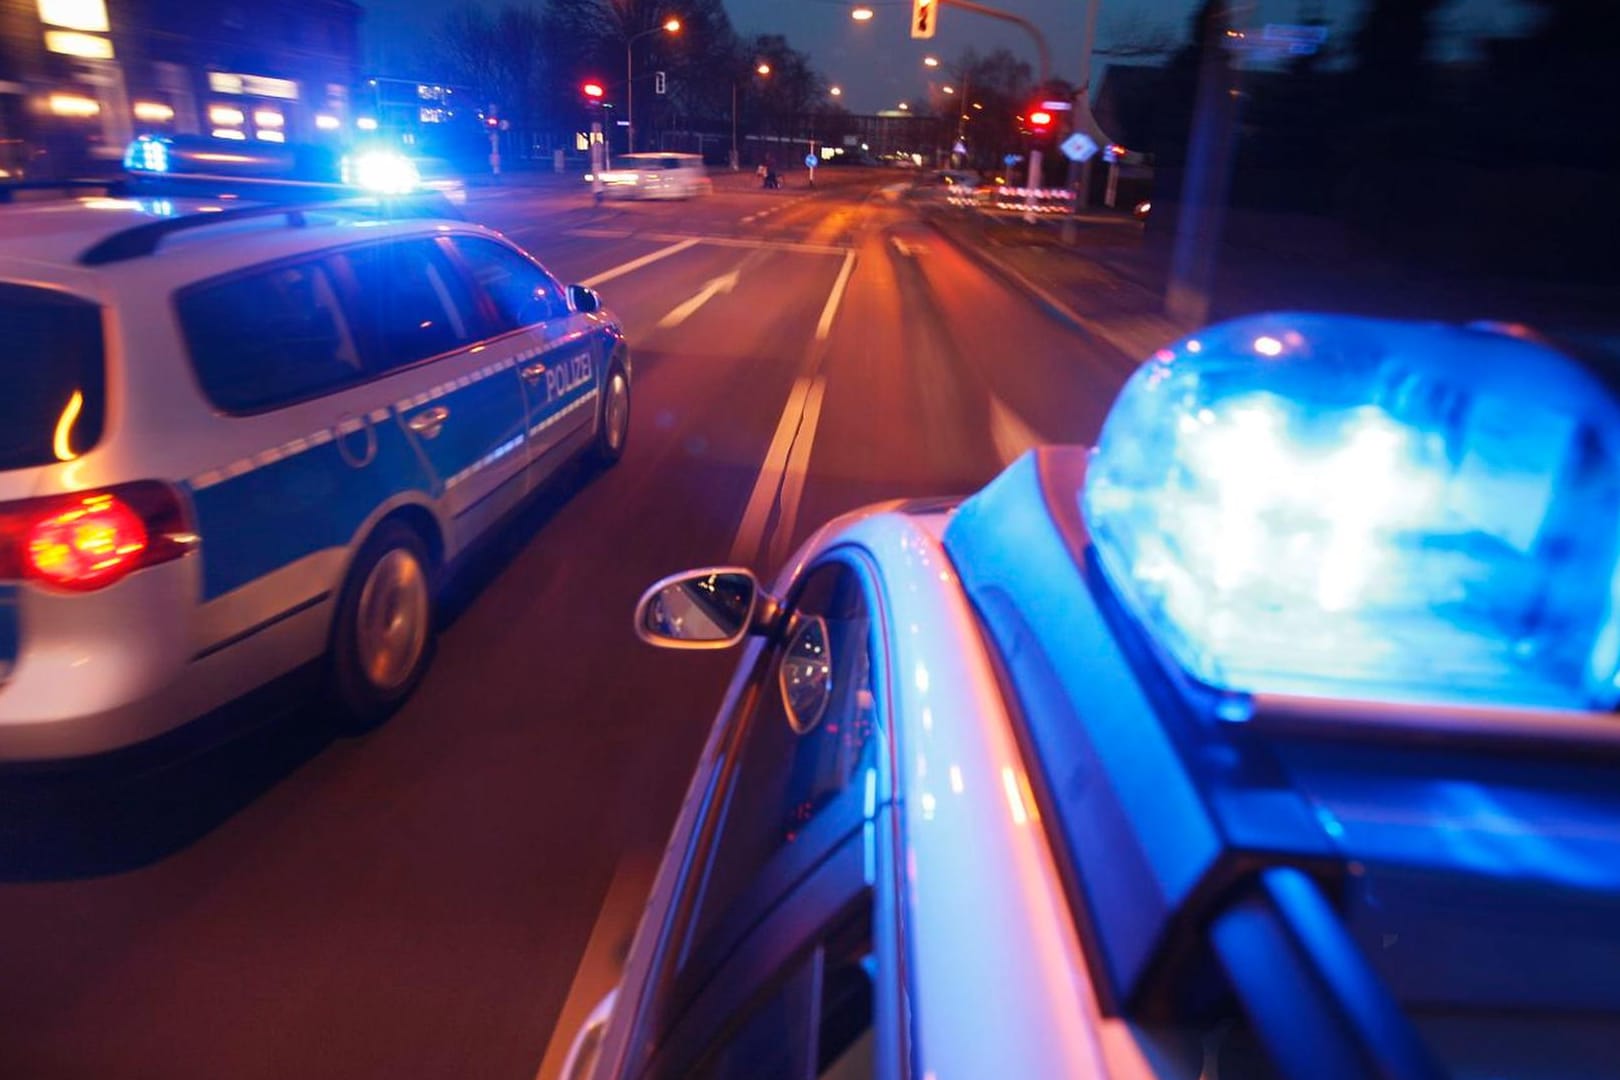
(762, 69)
(670, 25)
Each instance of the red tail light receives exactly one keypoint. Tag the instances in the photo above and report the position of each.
(89, 540)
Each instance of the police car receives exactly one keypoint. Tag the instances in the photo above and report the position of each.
(242, 434)
(1274, 736)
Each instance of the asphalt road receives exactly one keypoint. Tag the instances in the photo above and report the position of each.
(416, 902)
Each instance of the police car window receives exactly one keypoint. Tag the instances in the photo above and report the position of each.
(55, 382)
(523, 294)
(817, 1021)
(269, 337)
(410, 304)
(783, 780)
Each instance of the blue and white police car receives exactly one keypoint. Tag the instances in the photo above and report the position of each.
(1272, 737)
(237, 435)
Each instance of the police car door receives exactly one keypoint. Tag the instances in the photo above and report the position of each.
(558, 360)
(458, 399)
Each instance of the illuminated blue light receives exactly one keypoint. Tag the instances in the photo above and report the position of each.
(148, 153)
(1353, 508)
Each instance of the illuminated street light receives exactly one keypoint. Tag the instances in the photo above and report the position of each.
(904, 107)
(763, 69)
(836, 91)
(862, 13)
(931, 61)
(978, 105)
(670, 25)
(948, 89)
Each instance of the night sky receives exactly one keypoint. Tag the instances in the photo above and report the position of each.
(878, 65)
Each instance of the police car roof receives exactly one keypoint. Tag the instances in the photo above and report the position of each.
(58, 232)
(1164, 798)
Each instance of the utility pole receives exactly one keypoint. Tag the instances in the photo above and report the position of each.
(1208, 179)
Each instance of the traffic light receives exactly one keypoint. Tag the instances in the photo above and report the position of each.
(660, 84)
(924, 18)
(594, 91)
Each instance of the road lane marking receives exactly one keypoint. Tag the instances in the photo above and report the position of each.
(1009, 433)
(752, 526)
(719, 286)
(828, 313)
(798, 467)
(900, 246)
(636, 264)
(601, 234)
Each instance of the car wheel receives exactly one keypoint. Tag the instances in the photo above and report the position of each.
(614, 427)
(382, 634)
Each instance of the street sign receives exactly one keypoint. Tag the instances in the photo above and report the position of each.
(1012, 159)
(1079, 147)
(811, 161)
(924, 18)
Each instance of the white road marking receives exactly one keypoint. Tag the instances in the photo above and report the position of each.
(798, 467)
(1009, 433)
(752, 526)
(636, 264)
(720, 285)
(824, 327)
(900, 246)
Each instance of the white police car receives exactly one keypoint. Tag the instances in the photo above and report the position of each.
(1273, 737)
(236, 436)
(656, 176)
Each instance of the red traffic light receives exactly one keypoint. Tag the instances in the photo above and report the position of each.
(593, 90)
(1040, 119)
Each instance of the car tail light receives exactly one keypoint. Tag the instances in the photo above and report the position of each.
(89, 540)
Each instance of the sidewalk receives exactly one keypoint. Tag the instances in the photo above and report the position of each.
(1110, 282)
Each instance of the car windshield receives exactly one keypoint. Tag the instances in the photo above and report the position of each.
(55, 389)
(364, 362)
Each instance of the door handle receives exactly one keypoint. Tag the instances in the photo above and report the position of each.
(429, 422)
(533, 373)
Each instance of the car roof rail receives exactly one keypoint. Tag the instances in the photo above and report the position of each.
(144, 239)
(112, 186)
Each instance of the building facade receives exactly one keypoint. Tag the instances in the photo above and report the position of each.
(80, 78)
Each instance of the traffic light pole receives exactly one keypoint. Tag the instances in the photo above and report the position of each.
(1006, 16)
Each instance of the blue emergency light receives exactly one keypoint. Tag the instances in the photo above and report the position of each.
(1360, 509)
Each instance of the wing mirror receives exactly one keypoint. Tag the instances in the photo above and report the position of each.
(584, 300)
(714, 608)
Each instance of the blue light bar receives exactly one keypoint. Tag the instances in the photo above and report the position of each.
(1368, 510)
(147, 154)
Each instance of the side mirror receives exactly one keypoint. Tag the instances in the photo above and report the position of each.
(700, 609)
(584, 300)
(805, 673)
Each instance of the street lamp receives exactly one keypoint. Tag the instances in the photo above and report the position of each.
(947, 89)
(836, 91)
(862, 13)
(931, 61)
(670, 25)
(761, 69)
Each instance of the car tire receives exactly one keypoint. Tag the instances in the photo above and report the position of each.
(613, 423)
(382, 631)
